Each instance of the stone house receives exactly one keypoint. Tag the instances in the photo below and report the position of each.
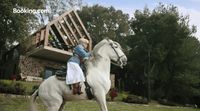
(45, 50)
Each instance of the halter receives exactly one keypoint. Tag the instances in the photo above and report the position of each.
(119, 60)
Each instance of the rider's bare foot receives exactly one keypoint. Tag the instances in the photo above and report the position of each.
(74, 89)
(79, 90)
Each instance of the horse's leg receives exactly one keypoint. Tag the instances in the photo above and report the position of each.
(53, 108)
(54, 103)
(61, 106)
(101, 99)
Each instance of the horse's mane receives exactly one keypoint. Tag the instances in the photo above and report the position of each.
(98, 46)
(96, 54)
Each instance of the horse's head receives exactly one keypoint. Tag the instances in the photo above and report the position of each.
(116, 54)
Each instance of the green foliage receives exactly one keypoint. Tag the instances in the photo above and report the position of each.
(14, 88)
(120, 96)
(164, 50)
(161, 50)
(135, 99)
(102, 22)
(58, 7)
(16, 26)
(17, 87)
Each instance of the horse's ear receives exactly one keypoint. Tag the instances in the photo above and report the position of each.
(109, 41)
(107, 38)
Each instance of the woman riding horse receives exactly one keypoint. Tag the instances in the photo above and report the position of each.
(74, 72)
(54, 92)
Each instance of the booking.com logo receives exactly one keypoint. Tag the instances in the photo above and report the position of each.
(27, 10)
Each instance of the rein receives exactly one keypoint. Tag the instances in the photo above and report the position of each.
(119, 57)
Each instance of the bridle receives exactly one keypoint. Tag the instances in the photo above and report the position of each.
(119, 60)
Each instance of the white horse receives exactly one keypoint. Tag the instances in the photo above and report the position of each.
(54, 92)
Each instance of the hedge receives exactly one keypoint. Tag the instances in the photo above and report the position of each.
(17, 87)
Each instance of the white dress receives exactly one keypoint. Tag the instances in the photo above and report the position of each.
(74, 73)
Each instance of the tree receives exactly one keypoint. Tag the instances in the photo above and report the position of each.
(107, 22)
(57, 7)
(15, 26)
(102, 22)
(157, 51)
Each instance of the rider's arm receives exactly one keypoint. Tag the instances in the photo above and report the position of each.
(82, 52)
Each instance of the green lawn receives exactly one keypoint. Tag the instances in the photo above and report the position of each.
(21, 104)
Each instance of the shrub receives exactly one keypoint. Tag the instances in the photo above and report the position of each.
(13, 88)
(167, 102)
(35, 87)
(121, 95)
(135, 99)
(17, 87)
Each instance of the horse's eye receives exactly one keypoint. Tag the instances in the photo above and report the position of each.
(115, 45)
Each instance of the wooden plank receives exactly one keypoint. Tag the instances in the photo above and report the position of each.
(90, 46)
(44, 27)
(75, 25)
(37, 38)
(63, 15)
(42, 35)
(46, 39)
(60, 34)
(80, 22)
(54, 38)
(68, 25)
(83, 27)
(58, 50)
(66, 32)
(75, 30)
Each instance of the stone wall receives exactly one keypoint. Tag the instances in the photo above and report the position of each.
(31, 66)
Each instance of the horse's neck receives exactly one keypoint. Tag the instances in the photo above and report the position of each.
(101, 64)
(104, 65)
(101, 61)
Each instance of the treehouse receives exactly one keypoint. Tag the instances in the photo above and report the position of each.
(56, 40)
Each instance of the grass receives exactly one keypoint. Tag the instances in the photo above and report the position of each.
(8, 103)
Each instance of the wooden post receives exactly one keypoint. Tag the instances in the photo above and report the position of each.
(46, 39)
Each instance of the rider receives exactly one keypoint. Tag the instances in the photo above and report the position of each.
(74, 72)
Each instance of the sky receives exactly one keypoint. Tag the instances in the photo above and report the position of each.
(185, 7)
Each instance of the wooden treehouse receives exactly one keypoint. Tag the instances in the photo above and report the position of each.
(56, 40)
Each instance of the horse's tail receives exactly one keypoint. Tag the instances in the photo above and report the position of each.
(32, 106)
